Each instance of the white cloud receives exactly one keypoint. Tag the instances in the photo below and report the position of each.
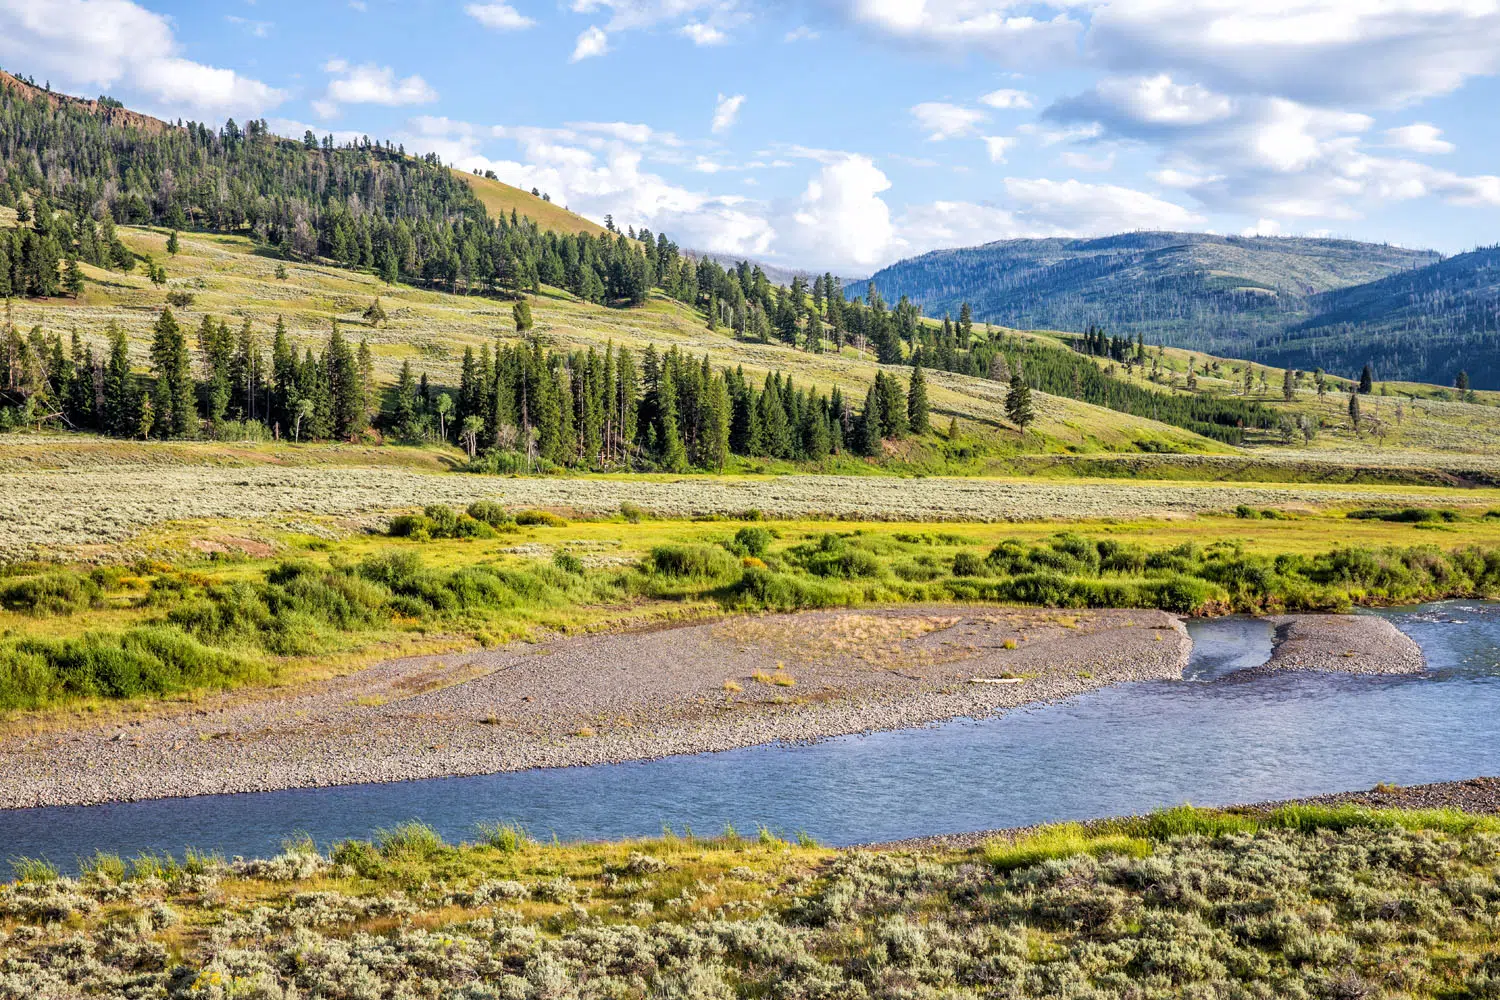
(369, 84)
(801, 33)
(1007, 99)
(841, 218)
(1153, 100)
(1362, 52)
(592, 41)
(1073, 207)
(946, 121)
(996, 146)
(1039, 208)
(358, 5)
(1262, 227)
(110, 43)
(499, 16)
(726, 110)
(1419, 138)
(1009, 30)
(702, 34)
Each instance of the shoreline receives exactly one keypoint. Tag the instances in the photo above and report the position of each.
(1479, 796)
(637, 695)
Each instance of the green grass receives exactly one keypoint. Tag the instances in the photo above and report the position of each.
(152, 630)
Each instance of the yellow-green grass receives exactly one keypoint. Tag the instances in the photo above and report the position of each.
(244, 551)
(500, 199)
(1431, 418)
(230, 278)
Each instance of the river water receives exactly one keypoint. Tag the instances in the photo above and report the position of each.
(1125, 749)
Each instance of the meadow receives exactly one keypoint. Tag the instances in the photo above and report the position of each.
(220, 604)
(1304, 901)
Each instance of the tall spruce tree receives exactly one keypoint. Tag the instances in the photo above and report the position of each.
(916, 402)
(175, 399)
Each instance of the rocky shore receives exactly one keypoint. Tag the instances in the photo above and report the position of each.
(605, 698)
(1472, 795)
(736, 682)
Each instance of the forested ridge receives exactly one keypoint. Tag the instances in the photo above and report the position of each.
(1289, 302)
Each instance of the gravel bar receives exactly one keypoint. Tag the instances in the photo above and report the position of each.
(639, 695)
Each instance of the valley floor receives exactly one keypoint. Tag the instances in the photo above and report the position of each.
(714, 685)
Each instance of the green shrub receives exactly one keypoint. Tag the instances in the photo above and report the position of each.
(765, 589)
(508, 838)
(1405, 515)
(632, 513)
(968, 564)
(751, 541)
(490, 513)
(1061, 840)
(544, 518)
(410, 841)
(568, 563)
(60, 593)
(414, 526)
(701, 562)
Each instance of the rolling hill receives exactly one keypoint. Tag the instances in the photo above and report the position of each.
(500, 199)
(1334, 304)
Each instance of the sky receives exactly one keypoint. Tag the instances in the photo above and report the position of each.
(846, 134)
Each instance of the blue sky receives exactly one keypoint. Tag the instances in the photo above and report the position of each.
(845, 134)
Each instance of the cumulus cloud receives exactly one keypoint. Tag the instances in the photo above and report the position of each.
(1419, 138)
(592, 41)
(841, 218)
(946, 121)
(726, 111)
(1007, 99)
(1035, 208)
(112, 43)
(702, 34)
(1269, 157)
(499, 16)
(1008, 29)
(370, 84)
(996, 146)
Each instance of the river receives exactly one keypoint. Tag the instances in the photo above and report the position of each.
(1126, 749)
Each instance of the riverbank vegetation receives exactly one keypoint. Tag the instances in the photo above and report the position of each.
(217, 617)
(1299, 902)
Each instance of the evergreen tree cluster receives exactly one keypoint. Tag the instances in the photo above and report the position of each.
(665, 411)
(217, 383)
(361, 204)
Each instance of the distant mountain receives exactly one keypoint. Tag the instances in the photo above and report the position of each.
(774, 273)
(1308, 302)
(1423, 325)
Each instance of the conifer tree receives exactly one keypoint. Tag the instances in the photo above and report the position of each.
(1287, 390)
(172, 245)
(916, 402)
(521, 313)
(1366, 380)
(868, 429)
(73, 277)
(175, 407)
(404, 418)
(1018, 405)
(119, 400)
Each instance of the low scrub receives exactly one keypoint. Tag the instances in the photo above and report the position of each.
(1308, 902)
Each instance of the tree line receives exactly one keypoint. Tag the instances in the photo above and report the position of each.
(368, 205)
(521, 403)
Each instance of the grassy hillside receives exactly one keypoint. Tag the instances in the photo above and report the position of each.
(229, 277)
(500, 199)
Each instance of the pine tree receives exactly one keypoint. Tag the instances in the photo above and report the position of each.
(1018, 405)
(1287, 390)
(521, 313)
(916, 403)
(404, 419)
(172, 245)
(1354, 414)
(73, 277)
(375, 313)
(1461, 383)
(868, 431)
(1366, 380)
(119, 400)
(175, 409)
(145, 417)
